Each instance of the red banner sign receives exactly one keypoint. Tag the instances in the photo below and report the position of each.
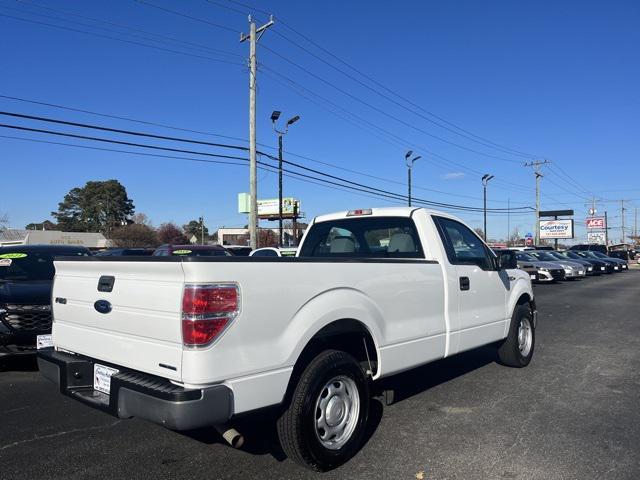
(596, 223)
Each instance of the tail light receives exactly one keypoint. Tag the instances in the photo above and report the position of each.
(207, 310)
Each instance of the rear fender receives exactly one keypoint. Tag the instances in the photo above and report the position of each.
(327, 307)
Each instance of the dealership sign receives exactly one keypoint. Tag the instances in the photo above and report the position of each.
(596, 223)
(556, 228)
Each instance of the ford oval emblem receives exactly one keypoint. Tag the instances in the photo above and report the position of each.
(102, 306)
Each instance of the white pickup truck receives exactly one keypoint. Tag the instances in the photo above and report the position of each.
(188, 342)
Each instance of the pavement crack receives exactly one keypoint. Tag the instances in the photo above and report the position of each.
(37, 438)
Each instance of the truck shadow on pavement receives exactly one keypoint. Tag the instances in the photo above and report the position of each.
(19, 363)
(259, 428)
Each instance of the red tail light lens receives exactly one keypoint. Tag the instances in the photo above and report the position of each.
(207, 310)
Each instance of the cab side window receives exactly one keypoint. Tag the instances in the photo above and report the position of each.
(462, 245)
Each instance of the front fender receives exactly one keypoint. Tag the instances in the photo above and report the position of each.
(519, 287)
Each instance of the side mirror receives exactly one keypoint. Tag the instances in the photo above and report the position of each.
(507, 261)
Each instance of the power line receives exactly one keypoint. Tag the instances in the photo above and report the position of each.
(184, 15)
(354, 185)
(371, 79)
(182, 43)
(132, 42)
(200, 132)
(382, 111)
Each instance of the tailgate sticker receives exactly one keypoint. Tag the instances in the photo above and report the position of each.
(181, 252)
(5, 262)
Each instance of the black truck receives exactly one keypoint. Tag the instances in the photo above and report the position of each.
(26, 278)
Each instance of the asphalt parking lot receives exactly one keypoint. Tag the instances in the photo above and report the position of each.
(572, 414)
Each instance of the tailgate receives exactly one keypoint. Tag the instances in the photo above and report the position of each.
(140, 327)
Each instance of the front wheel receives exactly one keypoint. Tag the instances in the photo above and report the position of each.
(517, 349)
(325, 422)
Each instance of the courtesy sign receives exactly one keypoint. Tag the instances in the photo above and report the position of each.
(556, 228)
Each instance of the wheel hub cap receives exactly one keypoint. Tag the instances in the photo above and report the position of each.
(337, 412)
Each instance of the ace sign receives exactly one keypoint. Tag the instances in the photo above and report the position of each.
(596, 223)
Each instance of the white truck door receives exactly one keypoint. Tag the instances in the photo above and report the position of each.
(481, 290)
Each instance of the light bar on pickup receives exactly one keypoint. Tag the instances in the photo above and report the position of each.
(356, 213)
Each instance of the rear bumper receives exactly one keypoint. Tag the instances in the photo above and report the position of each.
(137, 394)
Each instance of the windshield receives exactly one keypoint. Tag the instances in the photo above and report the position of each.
(557, 255)
(29, 266)
(600, 255)
(588, 254)
(572, 255)
(545, 256)
(525, 257)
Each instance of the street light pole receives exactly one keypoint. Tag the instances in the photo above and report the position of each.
(410, 163)
(485, 180)
(281, 133)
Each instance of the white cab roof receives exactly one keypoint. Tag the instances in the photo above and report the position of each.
(379, 212)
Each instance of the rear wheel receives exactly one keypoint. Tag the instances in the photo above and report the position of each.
(517, 349)
(325, 422)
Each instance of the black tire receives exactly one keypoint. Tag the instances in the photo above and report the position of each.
(509, 351)
(297, 424)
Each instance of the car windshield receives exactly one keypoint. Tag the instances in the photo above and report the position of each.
(525, 257)
(600, 255)
(29, 266)
(557, 255)
(544, 256)
(572, 255)
(589, 254)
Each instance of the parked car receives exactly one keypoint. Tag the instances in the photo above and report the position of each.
(26, 277)
(623, 264)
(190, 251)
(528, 268)
(238, 250)
(582, 264)
(589, 247)
(599, 267)
(274, 252)
(610, 266)
(572, 270)
(125, 252)
(196, 342)
(547, 271)
(594, 267)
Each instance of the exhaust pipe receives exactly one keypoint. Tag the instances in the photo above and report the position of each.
(230, 435)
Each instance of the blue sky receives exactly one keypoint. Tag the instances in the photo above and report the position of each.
(557, 80)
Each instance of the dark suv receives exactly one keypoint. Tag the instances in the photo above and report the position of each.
(26, 278)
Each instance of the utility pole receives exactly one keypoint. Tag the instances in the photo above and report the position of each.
(485, 180)
(254, 35)
(606, 230)
(537, 164)
(635, 225)
(202, 230)
(410, 163)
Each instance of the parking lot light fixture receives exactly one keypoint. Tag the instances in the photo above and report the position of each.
(410, 161)
(485, 180)
(274, 118)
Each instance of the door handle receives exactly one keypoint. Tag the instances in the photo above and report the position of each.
(465, 284)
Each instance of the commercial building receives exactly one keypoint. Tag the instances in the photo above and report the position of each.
(92, 241)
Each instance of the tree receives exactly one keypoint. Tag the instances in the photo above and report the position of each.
(170, 233)
(142, 219)
(194, 227)
(46, 225)
(267, 238)
(479, 232)
(134, 235)
(99, 206)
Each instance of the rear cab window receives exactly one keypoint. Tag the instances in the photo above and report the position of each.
(372, 237)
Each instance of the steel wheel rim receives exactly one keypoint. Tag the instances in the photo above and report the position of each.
(337, 412)
(525, 337)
